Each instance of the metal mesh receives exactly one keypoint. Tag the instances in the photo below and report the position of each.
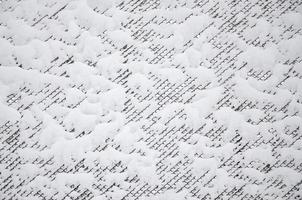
(174, 168)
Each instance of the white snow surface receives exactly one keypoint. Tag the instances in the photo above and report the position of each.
(150, 100)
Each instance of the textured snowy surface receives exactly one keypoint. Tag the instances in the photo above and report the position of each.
(150, 100)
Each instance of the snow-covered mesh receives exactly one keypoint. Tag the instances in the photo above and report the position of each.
(139, 99)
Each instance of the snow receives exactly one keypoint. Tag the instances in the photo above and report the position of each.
(85, 16)
(73, 96)
(291, 153)
(65, 150)
(80, 121)
(8, 114)
(121, 38)
(52, 132)
(169, 111)
(109, 65)
(146, 172)
(127, 137)
(253, 114)
(261, 29)
(201, 165)
(21, 32)
(114, 99)
(169, 195)
(80, 73)
(291, 48)
(62, 179)
(257, 57)
(6, 53)
(185, 149)
(161, 100)
(202, 106)
(140, 83)
(292, 19)
(246, 90)
(203, 75)
(16, 75)
(89, 46)
(259, 154)
(193, 25)
(288, 175)
(28, 119)
(253, 173)
(173, 75)
(101, 5)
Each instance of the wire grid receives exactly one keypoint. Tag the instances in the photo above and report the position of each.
(179, 175)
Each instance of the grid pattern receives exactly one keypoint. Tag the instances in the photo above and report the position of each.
(172, 100)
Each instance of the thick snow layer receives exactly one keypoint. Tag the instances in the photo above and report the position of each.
(155, 100)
